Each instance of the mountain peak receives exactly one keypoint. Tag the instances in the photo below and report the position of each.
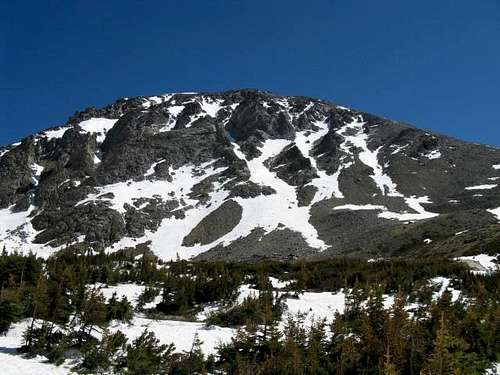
(245, 174)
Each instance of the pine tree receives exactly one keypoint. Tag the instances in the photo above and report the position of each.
(93, 313)
(39, 308)
(147, 357)
(388, 368)
(440, 361)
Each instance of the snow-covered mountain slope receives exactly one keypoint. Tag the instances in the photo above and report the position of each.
(247, 174)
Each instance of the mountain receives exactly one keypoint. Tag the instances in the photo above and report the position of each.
(246, 175)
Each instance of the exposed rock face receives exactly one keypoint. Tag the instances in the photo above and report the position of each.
(215, 225)
(247, 175)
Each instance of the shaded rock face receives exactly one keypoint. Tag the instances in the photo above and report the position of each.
(215, 225)
(292, 167)
(247, 175)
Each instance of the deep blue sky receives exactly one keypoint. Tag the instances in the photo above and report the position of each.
(435, 64)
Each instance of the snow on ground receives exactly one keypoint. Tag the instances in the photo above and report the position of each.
(210, 107)
(131, 291)
(494, 369)
(17, 233)
(281, 208)
(481, 263)
(398, 149)
(175, 110)
(183, 180)
(99, 126)
(316, 306)
(354, 134)
(15, 364)
(496, 212)
(278, 284)
(444, 284)
(360, 207)
(481, 187)
(153, 100)
(180, 333)
(56, 133)
(415, 203)
(167, 240)
(327, 185)
(37, 171)
(435, 154)
(3, 152)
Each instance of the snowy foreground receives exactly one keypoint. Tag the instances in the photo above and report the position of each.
(310, 305)
(15, 364)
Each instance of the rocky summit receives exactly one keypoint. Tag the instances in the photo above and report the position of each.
(246, 175)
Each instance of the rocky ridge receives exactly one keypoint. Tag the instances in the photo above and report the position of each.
(247, 174)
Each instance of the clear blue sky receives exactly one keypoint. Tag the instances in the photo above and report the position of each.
(432, 63)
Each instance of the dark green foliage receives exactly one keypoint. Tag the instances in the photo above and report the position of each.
(187, 286)
(147, 296)
(262, 309)
(100, 357)
(146, 356)
(438, 336)
(9, 313)
(119, 309)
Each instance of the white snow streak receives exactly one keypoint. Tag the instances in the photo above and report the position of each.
(368, 157)
(280, 208)
(56, 133)
(327, 185)
(481, 187)
(415, 203)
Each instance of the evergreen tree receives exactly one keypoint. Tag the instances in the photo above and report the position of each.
(145, 356)
(440, 361)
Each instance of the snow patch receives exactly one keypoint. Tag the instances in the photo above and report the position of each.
(179, 333)
(481, 187)
(37, 170)
(360, 207)
(435, 154)
(327, 185)
(211, 107)
(99, 126)
(413, 202)
(316, 306)
(130, 291)
(398, 149)
(281, 208)
(14, 363)
(496, 212)
(485, 262)
(444, 284)
(368, 157)
(56, 133)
